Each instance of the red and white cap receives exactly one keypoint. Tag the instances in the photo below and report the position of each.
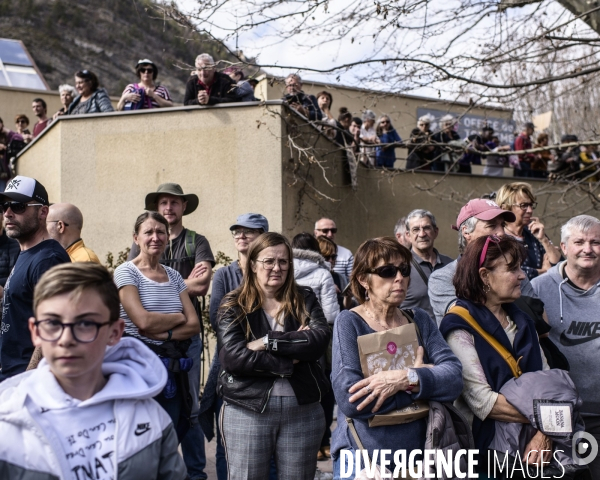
(482, 209)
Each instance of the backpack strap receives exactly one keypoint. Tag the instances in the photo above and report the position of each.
(190, 246)
(420, 271)
(496, 345)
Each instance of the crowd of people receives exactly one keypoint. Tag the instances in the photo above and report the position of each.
(100, 373)
(367, 139)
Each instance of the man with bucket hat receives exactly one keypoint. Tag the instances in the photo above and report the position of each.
(25, 205)
(477, 218)
(189, 253)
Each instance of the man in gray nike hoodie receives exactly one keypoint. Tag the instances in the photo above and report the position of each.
(571, 295)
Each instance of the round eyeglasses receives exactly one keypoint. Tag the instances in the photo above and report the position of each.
(83, 331)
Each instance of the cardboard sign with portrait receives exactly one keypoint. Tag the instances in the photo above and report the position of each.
(394, 349)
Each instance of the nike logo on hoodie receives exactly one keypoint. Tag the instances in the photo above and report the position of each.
(587, 330)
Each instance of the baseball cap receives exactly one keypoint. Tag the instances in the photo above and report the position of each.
(251, 220)
(26, 189)
(482, 209)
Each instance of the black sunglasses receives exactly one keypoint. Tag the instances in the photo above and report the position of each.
(390, 271)
(326, 230)
(18, 207)
(147, 70)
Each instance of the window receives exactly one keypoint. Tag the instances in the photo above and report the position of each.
(17, 68)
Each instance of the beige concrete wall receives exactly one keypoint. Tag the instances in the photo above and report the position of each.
(107, 163)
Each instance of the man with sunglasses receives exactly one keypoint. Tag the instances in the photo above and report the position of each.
(422, 231)
(479, 217)
(325, 227)
(25, 207)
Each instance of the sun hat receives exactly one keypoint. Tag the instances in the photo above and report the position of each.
(172, 189)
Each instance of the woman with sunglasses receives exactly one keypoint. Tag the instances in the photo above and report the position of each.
(386, 154)
(541, 254)
(145, 94)
(487, 281)
(379, 282)
(271, 333)
(91, 98)
(22, 124)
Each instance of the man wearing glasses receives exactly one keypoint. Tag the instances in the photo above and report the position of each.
(25, 207)
(422, 230)
(64, 224)
(325, 227)
(190, 254)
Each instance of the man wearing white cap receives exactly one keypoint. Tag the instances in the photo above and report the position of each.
(477, 218)
(25, 207)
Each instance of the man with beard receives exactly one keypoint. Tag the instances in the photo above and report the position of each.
(25, 207)
(189, 253)
(571, 294)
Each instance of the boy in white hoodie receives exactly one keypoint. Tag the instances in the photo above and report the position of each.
(87, 410)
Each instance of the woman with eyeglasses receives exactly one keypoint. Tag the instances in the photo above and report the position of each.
(146, 93)
(379, 282)
(541, 254)
(158, 311)
(487, 281)
(247, 228)
(91, 98)
(386, 154)
(271, 333)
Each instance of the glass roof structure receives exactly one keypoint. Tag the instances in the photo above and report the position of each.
(17, 68)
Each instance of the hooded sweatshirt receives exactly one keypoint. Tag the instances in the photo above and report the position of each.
(311, 270)
(573, 316)
(120, 429)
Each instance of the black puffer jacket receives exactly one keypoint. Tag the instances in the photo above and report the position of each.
(9, 252)
(247, 377)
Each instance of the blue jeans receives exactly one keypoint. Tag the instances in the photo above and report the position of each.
(192, 445)
(337, 470)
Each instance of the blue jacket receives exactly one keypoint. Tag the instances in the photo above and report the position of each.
(442, 383)
(387, 157)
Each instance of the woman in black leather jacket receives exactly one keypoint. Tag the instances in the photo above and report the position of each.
(271, 334)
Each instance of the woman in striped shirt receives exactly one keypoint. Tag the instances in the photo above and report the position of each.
(145, 94)
(158, 311)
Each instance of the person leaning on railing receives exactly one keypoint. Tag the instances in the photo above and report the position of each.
(91, 98)
(207, 86)
(145, 94)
